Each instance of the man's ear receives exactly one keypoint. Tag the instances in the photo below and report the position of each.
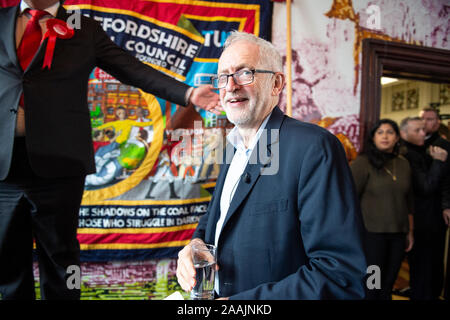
(403, 135)
(278, 84)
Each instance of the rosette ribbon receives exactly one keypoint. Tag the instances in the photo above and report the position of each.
(56, 29)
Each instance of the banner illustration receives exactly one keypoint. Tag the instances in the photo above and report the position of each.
(156, 161)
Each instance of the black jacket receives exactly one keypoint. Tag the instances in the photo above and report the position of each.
(436, 140)
(427, 177)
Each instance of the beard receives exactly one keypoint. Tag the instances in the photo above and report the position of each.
(248, 115)
(241, 117)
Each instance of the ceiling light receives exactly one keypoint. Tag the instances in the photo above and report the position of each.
(386, 80)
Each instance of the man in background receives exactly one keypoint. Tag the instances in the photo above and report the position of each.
(435, 132)
(428, 167)
(432, 123)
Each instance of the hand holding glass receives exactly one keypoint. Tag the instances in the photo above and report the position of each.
(204, 260)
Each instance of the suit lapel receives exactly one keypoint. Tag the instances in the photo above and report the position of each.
(38, 58)
(215, 205)
(252, 172)
(8, 20)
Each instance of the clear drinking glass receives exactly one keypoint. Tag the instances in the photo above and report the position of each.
(204, 259)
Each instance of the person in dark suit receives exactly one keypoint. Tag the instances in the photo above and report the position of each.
(428, 168)
(284, 214)
(46, 147)
(432, 125)
(435, 136)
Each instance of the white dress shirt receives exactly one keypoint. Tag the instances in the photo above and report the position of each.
(235, 171)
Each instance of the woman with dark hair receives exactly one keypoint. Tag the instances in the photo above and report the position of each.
(383, 183)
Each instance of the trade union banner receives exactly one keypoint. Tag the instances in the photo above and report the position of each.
(156, 161)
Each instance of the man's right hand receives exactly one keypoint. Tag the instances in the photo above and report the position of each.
(185, 267)
(438, 153)
(446, 216)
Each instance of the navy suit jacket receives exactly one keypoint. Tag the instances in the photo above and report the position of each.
(57, 118)
(295, 234)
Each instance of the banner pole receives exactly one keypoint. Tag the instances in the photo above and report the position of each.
(288, 60)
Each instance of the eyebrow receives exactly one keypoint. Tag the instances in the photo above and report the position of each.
(238, 67)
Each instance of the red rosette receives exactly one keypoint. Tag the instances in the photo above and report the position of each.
(56, 29)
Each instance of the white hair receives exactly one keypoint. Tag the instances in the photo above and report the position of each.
(269, 57)
(405, 122)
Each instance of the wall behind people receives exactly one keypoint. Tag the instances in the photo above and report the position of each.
(326, 52)
(405, 98)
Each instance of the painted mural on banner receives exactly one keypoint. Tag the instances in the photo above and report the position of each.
(156, 161)
(326, 53)
(153, 279)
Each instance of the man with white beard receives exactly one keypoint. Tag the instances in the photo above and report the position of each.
(284, 215)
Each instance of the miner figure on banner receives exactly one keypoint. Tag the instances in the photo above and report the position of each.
(142, 119)
(45, 129)
(164, 168)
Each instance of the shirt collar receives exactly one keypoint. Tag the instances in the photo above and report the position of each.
(53, 9)
(235, 138)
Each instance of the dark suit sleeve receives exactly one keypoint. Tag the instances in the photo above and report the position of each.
(331, 230)
(445, 187)
(201, 227)
(129, 70)
(446, 193)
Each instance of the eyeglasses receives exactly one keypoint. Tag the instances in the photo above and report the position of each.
(242, 77)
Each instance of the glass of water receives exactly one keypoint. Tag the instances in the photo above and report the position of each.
(204, 259)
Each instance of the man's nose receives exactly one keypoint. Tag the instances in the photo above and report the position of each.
(231, 85)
